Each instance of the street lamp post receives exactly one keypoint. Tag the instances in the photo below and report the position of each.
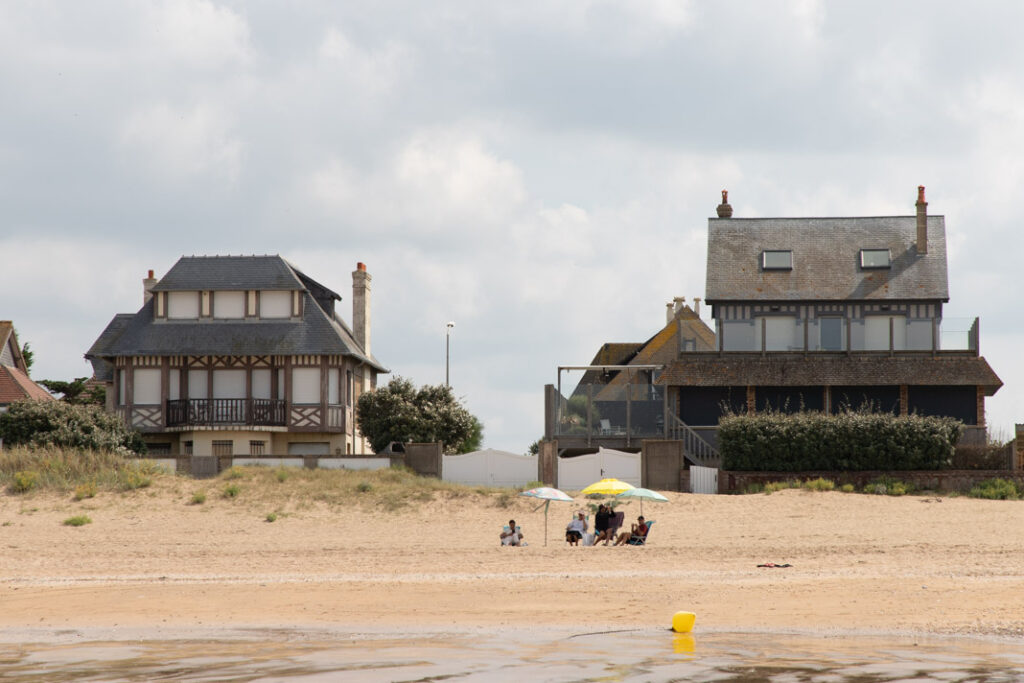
(447, 349)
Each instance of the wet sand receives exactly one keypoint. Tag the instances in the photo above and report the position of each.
(861, 564)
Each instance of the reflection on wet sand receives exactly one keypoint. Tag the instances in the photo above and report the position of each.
(635, 655)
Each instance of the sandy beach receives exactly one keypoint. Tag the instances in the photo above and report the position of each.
(860, 563)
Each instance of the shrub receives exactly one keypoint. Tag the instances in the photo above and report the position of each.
(198, 498)
(272, 517)
(773, 486)
(234, 473)
(847, 488)
(77, 520)
(231, 491)
(24, 481)
(852, 441)
(819, 484)
(996, 489)
(55, 423)
(364, 487)
(282, 475)
(87, 490)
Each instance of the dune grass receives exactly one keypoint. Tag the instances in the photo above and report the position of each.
(25, 469)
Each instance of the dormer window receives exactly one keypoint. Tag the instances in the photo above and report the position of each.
(275, 304)
(874, 258)
(777, 260)
(183, 305)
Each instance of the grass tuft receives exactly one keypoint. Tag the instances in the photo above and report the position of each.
(819, 484)
(198, 498)
(272, 517)
(63, 470)
(86, 490)
(231, 491)
(996, 489)
(77, 520)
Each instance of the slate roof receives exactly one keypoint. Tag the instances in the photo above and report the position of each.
(712, 370)
(218, 273)
(320, 332)
(826, 259)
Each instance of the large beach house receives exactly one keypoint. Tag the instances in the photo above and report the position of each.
(240, 355)
(813, 314)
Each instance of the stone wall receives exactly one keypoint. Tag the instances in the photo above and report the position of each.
(930, 480)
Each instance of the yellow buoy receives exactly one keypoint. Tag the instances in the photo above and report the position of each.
(682, 622)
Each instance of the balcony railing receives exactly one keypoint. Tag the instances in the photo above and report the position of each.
(881, 333)
(226, 411)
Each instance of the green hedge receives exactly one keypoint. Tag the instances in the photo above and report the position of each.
(774, 442)
(60, 424)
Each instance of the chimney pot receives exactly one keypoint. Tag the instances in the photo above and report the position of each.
(922, 221)
(361, 266)
(724, 209)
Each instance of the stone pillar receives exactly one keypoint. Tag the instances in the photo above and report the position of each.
(904, 400)
(751, 400)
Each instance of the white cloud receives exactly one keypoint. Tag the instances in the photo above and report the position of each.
(184, 143)
(197, 33)
(371, 71)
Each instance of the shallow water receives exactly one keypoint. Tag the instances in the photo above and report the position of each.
(635, 655)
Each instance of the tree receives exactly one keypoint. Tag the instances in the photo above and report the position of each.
(75, 391)
(55, 423)
(400, 412)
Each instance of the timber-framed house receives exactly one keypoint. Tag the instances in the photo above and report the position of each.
(240, 355)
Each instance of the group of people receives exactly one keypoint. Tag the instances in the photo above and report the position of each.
(603, 529)
(574, 532)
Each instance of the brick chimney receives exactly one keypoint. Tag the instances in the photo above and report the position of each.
(696, 305)
(725, 209)
(147, 288)
(361, 306)
(922, 221)
(670, 314)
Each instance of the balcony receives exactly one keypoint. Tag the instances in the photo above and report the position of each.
(876, 333)
(227, 411)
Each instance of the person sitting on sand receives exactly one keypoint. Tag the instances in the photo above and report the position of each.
(636, 536)
(602, 524)
(575, 529)
(512, 535)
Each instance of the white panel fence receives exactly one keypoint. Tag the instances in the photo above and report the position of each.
(489, 467)
(583, 470)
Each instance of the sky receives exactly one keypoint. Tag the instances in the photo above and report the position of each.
(539, 173)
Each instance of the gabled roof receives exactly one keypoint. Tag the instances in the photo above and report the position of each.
(10, 351)
(15, 385)
(826, 259)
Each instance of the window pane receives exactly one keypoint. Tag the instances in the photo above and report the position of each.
(228, 305)
(146, 387)
(183, 305)
(874, 258)
(778, 260)
(305, 385)
(261, 383)
(229, 383)
(831, 334)
(275, 304)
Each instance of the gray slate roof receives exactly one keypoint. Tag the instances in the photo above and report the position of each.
(318, 333)
(788, 370)
(826, 259)
(218, 273)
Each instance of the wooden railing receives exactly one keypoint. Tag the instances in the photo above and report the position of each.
(699, 451)
(239, 411)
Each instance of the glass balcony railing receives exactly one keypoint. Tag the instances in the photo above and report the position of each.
(871, 333)
(622, 402)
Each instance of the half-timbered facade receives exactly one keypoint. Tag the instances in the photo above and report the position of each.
(240, 355)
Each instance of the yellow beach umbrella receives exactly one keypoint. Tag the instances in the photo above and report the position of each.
(607, 487)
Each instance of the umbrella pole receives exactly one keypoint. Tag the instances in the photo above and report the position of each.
(547, 504)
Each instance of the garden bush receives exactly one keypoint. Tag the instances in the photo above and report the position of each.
(997, 489)
(57, 424)
(852, 441)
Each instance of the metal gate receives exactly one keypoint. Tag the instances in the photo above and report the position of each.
(703, 479)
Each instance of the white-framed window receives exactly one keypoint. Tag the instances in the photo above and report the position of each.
(875, 258)
(777, 259)
(228, 305)
(146, 387)
(275, 304)
(229, 383)
(198, 384)
(333, 382)
(261, 383)
(182, 305)
(305, 385)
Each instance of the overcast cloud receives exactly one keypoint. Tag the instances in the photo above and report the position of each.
(538, 172)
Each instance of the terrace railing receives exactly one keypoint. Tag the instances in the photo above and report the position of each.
(226, 411)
